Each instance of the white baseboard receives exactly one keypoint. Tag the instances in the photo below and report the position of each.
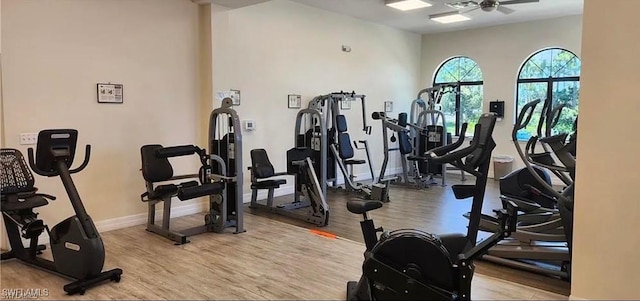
(572, 297)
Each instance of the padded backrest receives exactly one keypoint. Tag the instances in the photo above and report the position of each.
(404, 143)
(260, 164)
(15, 175)
(154, 169)
(341, 123)
(345, 150)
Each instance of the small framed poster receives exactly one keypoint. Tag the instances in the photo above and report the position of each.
(110, 93)
(388, 106)
(294, 101)
(235, 95)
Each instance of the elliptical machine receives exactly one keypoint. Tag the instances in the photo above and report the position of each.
(414, 265)
(76, 246)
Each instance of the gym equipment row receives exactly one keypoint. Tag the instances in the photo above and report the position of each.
(415, 265)
(76, 245)
(219, 178)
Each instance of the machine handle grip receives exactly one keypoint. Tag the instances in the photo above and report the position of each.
(87, 156)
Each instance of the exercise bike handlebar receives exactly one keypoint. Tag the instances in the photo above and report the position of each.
(85, 162)
(34, 167)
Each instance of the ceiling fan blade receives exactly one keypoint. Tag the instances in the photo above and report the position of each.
(510, 2)
(469, 10)
(505, 10)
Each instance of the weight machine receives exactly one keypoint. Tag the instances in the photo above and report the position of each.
(339, 144)
(219, 178)
(428, 130)
(305, 161)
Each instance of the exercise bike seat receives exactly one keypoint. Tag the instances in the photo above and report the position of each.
(362, 206)
(9, 203)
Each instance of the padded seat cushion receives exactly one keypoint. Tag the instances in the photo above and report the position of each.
(32, 202)
(268, 184)
(162, 191)
(354, 162)
(191, 192)
(360, 207)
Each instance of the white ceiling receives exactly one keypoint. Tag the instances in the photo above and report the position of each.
(418, 21)
(232, 3)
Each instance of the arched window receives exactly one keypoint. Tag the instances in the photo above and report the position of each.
(466, 104)
(554, 74)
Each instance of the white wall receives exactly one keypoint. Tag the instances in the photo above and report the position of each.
(500, 52)
(607, 211)
(278, 48)
(54, 53)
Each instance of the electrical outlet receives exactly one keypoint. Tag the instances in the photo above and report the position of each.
(28, 138)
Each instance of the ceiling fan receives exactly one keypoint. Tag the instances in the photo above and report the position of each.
(487, 5)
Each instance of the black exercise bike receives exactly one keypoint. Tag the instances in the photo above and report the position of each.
(415, 265)
(76, 246)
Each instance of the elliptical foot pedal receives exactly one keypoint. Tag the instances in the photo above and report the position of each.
(81, 286)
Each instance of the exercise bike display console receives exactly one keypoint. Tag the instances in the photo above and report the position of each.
(415, 265)
(76, 246)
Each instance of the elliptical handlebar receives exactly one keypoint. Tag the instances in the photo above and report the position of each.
(555, 118)
(524, 117)
(449, 154)
(442, 150)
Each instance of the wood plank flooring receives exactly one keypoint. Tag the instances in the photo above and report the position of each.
(272, 260)
(434, 210)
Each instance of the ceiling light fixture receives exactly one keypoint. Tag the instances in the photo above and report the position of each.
(447, 18)
(405, 5)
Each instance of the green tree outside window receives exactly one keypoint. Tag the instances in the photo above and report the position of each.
(550, 74)
(466, 104)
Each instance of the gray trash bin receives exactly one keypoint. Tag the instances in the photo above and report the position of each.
(502, 166)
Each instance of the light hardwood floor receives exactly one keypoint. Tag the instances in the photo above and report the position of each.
(433, 210)
(271, 261)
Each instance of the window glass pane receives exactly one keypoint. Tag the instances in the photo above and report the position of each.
(528, 92)
(470, 106)
(469, 70)
(567, 93)
(538, 66)
(555, 65)
(448, 107)
(565, 64)
(448, 73)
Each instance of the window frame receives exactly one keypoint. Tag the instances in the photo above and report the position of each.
(458, 89)
(549, 80)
